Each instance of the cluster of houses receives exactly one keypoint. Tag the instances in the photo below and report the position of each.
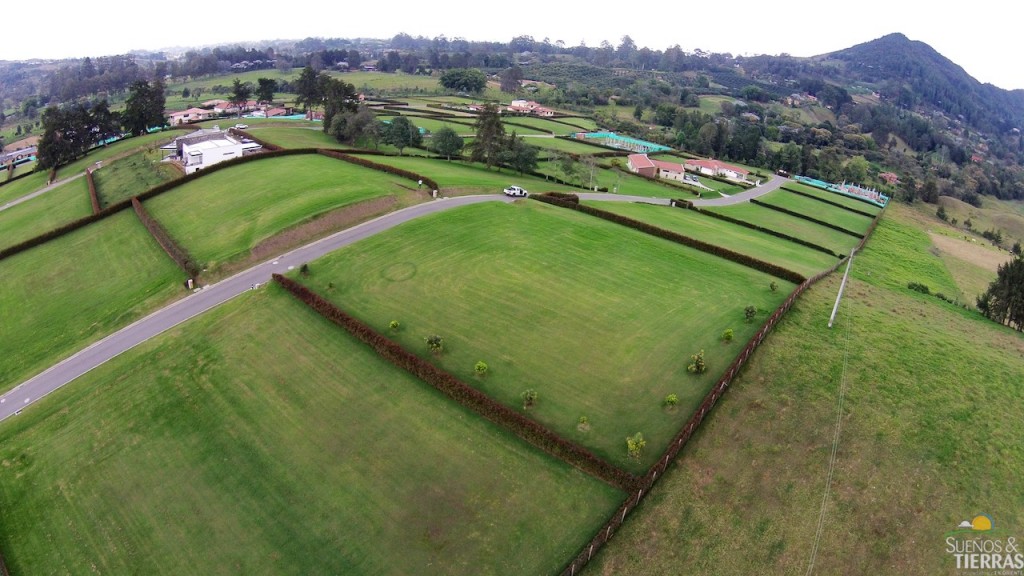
(529, 107)
(212, 109)
(645, 166)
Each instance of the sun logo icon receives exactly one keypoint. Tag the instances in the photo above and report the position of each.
(980, 523)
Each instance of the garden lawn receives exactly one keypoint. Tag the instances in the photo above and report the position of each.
(562, 145)
(120, 148)
(220, 217)
(599, 319)
(259, 438)
(64, 294)
(461, 178)
(462, 126)
(834, 197)
(819, 210)
(929, 438)
(295, 137)
(131, 176)
(18, 188)
(838, 242)
(45, 212)
(766, 247)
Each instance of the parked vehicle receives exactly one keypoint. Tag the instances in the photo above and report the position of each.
(241, 126)
(515, 191)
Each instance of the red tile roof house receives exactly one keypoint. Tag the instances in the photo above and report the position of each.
(644, 166)
(717, 168)
(529, 107)
(190, 115)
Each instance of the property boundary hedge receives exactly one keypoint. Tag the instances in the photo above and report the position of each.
(18, 177)
(827, 201)
(93, 197)
(469, 397)
(769, 231)
(714, 250)
(176, 252)
(796, 214)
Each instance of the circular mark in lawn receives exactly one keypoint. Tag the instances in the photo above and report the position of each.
(399, 272)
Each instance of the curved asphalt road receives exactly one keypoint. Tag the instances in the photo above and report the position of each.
(192, 305)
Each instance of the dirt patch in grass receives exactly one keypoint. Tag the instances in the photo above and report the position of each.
(972, 252)
(319, 227)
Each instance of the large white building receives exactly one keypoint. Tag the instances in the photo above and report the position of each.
(206, 147)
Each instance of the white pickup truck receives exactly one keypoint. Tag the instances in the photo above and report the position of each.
(515, 191)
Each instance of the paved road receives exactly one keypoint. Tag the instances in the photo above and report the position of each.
(64, 372)
(41, 191)
(82, 362)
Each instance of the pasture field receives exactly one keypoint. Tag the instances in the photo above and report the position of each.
(462, 126)
(560, 145)
(933, 396)
(837, 241)
(294, 136)
(221, 217)
(1002, 215)
(43, 213)
(787, 254)
(118, 149)
(260, 438)
(19, 188)
(819, 210)
(71, 291)
(599, 319)
(833, 197)
(627, 182)
(131, 176)
(543, 124)
(458, 178)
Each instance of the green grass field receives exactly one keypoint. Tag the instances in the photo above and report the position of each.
(131, 176)
(560, 145)
(260, 438)
(66, 293)
(119, 149)
(818, 210)
(462, 127)
(19, 188)
(601, 320)
(461, 178)
(43, 213)
(929, 438)
(727, 235)
(295, 137)
(835, 198)
(838, 242)
(222, 216)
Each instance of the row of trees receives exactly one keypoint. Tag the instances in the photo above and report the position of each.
(70, 131)
(1003, 302)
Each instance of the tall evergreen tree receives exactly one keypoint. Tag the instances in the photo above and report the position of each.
(490, 136)
(1003, 302)
(145, 107)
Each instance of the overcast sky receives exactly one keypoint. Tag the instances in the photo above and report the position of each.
(980, 36)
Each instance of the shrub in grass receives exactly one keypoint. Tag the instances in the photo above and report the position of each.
(435, 343)
(697, 364)
(583, 424)
(635, 445)
(774, 286)
(727, 335)
(394, 325)
(918, 287)
(529, 397)
(480, 368)
(749, 312)
(670, 401)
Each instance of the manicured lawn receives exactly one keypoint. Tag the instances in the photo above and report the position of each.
(819, 210)
(222, 216)
(19, 188)
(43, 213)
(295, 137)
(547, 126)
(627, 182)
(460, 178)
(601, 320)
(119, 148)
(727, 235)
(562, 145)
(835, 198)
(68, 292)
(259, 438)
(462, 126)
(933, 396)
(131, 176)
(838, 242)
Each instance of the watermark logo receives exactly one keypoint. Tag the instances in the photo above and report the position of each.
(980, 548)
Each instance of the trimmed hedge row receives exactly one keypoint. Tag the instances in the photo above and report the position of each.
(714, 250)
(430, 183)
(796, 214)
(93, 197)
(266, 145)
(151, 193)
(469, 397)
(827, 201)
(768, 231)
(177, 253)
(18, 177)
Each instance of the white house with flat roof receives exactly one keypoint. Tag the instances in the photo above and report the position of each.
(206, 147)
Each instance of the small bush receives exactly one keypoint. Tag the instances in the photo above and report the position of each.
(635, 445)
(670, 401)
(727, 335)
(480, 368)
(774, 286)
(918, 287)
(394, 325)
(749, 313)
(435, 343)
(697, 366)
(529, 397)
(583, 424)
